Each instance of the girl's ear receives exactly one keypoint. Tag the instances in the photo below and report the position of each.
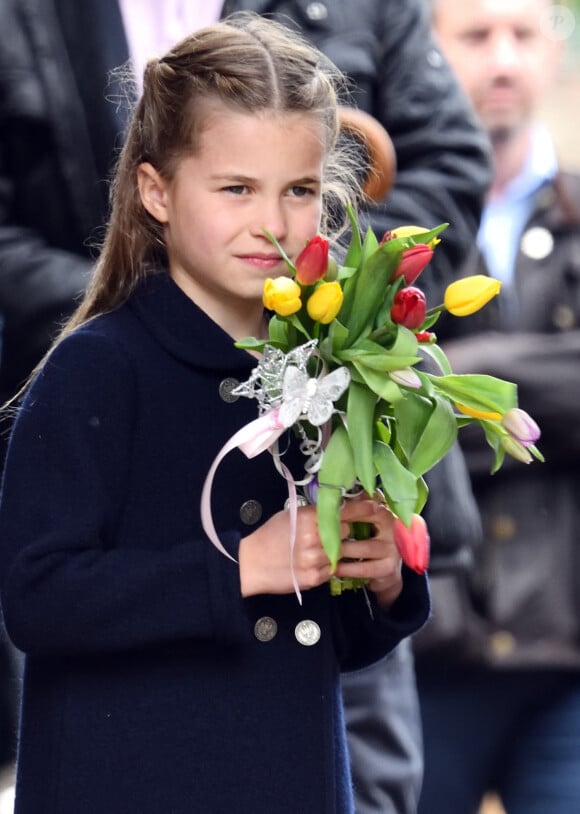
(152, 189)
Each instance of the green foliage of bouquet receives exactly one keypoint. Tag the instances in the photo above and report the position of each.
(346, 344)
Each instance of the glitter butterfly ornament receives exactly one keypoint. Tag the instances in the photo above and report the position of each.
(340, 368)
(309, 397)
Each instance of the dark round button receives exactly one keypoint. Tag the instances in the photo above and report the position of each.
(250, 512)
(225, 390)
(265, 629)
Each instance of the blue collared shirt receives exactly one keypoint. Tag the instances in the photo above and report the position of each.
(504, 218)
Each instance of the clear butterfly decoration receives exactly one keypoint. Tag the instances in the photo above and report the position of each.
(266, 381)
(311, 398)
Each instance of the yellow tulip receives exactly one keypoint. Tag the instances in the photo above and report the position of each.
(468, 295)
(411, 231)
(325, 302)
(474, 413)
(282, 295)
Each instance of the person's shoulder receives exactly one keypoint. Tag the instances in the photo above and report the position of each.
(99, 348)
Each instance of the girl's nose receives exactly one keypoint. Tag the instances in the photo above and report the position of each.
(272, 218)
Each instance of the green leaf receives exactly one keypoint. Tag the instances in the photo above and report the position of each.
(338, 468)
(478, 391)
(295, 322)
(369, 292)
(345, 273)
(251, 343)
(380, 384)
(536, 453)
(420, 237)
(360, 412)
(399, 485)
(338, 334)
(438, 356)
(337, 474)
(328, 502)
(423, 494)
(278, 331)
(426, 430)
(383, 362)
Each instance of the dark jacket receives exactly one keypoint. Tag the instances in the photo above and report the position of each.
(146, 688)
(522, 607)
(61, 122)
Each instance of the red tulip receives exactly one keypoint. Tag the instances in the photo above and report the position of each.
(413, 543)
(312, 262)
(413, 262)
(427, 337)
(409, 307)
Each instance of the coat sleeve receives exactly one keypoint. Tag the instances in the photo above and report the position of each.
(366, 632)
(68, 586)
(443, 157)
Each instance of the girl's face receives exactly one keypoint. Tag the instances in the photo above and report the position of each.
(251, 172)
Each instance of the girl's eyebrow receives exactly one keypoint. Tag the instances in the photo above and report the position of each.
(239, 179)
(247, 180)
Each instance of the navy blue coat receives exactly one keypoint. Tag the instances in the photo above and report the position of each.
(145, 688)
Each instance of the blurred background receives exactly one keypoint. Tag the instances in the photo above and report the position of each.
(562, 107)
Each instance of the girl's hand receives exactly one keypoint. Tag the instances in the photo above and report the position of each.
(377, 558)
(264, 556)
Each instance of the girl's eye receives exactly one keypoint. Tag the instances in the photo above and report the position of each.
(301, 192)
(236, 189)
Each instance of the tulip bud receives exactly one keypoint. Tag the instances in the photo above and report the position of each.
(413, 262)
(331, 270)
(282, 295)
(468, 295)
(413, 543)
(325, 302)
(409, 231)
(426, 337)
(311, 490)
(312, 262)
(521, 426)
(406, 377)
(516, 450)
(409, 307)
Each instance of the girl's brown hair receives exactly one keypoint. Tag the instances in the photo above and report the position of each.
(249, 64)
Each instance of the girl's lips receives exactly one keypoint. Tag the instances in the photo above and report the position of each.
(265, 261)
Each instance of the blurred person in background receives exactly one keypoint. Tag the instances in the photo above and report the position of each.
(61, 125)
(498, 669)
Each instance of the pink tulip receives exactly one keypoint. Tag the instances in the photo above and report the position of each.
(312, 262)
(521, 426)
(413, 543)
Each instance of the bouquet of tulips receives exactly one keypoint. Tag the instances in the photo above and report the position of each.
(341, 367)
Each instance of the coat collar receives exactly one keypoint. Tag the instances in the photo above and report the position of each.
(184, 330)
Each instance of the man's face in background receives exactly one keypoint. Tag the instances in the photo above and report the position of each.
(501, 54)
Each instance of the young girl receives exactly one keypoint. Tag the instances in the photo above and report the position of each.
(161, 676)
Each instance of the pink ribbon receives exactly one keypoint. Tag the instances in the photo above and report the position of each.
(253, 439)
